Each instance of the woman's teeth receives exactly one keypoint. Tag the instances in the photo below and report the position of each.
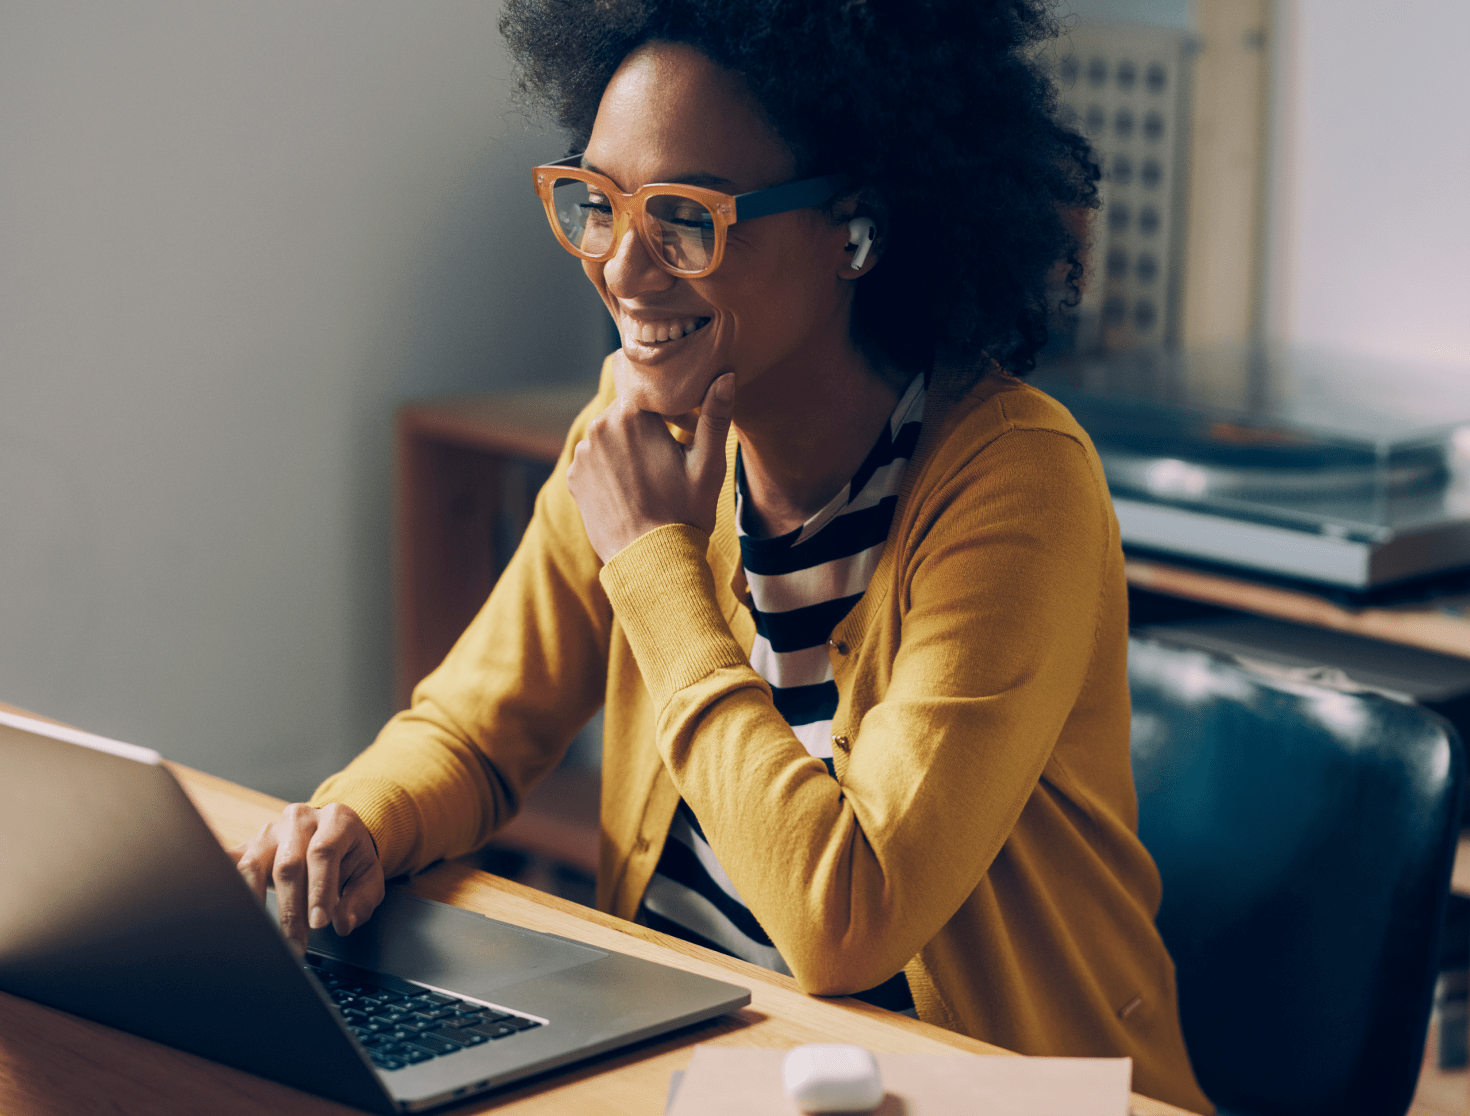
(671, 330)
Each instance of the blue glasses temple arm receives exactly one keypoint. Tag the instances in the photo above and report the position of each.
(793, 195)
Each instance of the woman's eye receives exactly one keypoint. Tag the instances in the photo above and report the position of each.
(594, 208)
(692, 218)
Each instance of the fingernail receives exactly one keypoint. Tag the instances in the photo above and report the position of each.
(317, 918)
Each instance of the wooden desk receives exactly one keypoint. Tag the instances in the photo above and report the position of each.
(53, 1064)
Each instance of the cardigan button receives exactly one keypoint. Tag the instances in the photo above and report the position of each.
(840, 742)
(840, 646)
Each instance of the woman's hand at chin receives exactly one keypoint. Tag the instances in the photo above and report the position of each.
(629, 475)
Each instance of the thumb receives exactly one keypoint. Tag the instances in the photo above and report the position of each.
(707, 454)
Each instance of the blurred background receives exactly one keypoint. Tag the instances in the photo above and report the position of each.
(235, 237)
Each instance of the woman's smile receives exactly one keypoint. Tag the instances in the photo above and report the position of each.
(644, 332)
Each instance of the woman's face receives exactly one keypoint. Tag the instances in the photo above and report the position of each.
(777, 309)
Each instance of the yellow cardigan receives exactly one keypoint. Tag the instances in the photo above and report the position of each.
(981, 831)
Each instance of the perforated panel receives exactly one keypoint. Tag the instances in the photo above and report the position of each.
(1124, 87)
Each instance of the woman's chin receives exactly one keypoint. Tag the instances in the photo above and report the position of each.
(651, 390)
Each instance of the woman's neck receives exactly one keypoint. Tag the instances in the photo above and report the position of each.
(801, 444)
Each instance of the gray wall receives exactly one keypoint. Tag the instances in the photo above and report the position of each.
(233, 236)
(1370, 170)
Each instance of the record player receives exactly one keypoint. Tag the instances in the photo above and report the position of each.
(1344, 472)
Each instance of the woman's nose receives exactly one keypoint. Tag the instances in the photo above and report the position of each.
(632, 272)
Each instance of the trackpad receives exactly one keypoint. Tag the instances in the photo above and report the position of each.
(419, 939)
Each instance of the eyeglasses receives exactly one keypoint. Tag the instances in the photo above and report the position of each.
(683, 227)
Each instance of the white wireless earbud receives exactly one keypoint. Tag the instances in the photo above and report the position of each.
(861, 231)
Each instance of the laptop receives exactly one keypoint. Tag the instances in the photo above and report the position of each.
(118, 904)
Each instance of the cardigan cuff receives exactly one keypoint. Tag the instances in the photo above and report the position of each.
(663, 593)
(384, 807)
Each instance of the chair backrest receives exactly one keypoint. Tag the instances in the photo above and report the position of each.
(1305, 837)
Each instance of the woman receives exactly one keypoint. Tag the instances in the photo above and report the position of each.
(860, 628)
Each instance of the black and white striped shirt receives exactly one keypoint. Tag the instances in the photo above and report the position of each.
(802, 584)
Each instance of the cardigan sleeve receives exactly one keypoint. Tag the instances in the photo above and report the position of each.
(1000, 585)
(499, 712)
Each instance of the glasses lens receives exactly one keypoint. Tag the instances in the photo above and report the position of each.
(685, 229)
(584, 214)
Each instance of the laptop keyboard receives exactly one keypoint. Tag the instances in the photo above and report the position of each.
(403, 1024)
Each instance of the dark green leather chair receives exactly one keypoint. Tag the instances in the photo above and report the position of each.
(1305, 837)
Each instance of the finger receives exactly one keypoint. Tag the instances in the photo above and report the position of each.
(256, 858)
(323, 870)
(707, 454)
(296, 827)
(575, 465)
(362, 892)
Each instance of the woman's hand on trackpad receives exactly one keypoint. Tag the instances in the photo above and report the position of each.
(324, 866)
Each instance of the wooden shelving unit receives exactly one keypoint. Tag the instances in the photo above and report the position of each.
(1441, 624)
(468, 472)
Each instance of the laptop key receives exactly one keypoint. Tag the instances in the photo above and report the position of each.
(435, 998)
(461, 1035)
(433, 1044)
(509, 1025)
(494, 1030)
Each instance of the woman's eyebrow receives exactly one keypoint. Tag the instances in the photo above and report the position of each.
(699, 178)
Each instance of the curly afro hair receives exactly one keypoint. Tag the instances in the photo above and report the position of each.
(976, 183)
